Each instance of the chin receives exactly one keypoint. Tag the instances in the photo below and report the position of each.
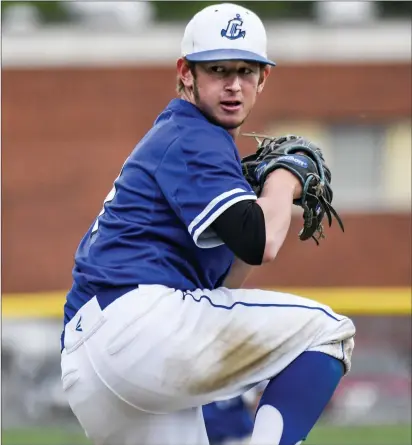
(231, 125)
(224, 120)
(230, 122)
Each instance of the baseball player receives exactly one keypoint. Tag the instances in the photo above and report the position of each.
(156, 322)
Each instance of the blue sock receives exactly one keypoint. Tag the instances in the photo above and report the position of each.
(294, 400)
(227, 420)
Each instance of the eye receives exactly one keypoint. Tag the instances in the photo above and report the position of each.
(245, 70)
(217, 69)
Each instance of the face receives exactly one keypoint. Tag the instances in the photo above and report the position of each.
(224, 91)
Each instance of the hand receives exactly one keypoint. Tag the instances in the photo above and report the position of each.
(303, 159)
(289, 179)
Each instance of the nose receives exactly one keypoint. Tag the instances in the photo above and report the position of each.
(233, 83)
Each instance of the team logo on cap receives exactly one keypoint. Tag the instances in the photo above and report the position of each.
(233, 30)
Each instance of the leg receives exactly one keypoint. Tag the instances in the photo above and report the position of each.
(108, 420)
(216, 345)
(257, 334)
(228, 420)
(294, 400)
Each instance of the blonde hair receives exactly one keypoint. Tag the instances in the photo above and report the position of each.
(179, 84)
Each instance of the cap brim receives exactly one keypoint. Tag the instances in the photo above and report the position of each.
(228, 54)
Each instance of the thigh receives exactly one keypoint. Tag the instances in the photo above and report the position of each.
(247, 336)
(163, 350)
(108, 420)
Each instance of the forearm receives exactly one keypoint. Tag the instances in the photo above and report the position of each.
(276, 202)
(238, 274)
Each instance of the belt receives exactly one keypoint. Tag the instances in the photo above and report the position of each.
(105, 297)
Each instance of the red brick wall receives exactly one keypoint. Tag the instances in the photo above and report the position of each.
(66, 133)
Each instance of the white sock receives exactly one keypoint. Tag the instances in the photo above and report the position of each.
(268, 426)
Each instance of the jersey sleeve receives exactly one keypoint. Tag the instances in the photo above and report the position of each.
(200, 175)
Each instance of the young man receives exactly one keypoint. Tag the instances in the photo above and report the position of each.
(156, 322)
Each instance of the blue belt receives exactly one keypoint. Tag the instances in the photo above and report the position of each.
(105, 297)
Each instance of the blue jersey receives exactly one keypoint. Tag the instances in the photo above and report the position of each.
(155, 224)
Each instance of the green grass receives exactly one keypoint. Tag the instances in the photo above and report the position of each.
(43, 436)
(370, 435)
(321, 435)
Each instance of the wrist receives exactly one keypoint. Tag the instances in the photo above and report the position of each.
(287, 179)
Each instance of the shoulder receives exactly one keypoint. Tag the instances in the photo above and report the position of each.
(181, 138)
(202, 136)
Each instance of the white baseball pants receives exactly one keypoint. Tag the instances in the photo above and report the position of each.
(137, 372)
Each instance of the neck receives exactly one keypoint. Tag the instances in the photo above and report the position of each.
(234, 132)
(188, 97)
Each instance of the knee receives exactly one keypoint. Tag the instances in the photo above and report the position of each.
(338, 341)
(347, 346)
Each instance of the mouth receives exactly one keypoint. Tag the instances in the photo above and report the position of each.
(231, 105)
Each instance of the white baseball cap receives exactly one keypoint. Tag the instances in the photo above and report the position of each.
(225, 32)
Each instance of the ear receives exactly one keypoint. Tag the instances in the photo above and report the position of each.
(263, 76)
(184, 72)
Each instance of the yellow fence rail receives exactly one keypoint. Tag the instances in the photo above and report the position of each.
(348, 300)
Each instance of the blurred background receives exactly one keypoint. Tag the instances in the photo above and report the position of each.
(81, 84)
